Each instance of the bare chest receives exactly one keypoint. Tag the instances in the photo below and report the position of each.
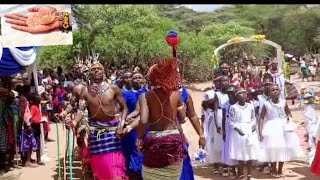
(105, 99)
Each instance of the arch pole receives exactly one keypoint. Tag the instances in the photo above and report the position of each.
(275, 45)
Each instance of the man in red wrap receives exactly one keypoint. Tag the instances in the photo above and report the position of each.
(164, 145)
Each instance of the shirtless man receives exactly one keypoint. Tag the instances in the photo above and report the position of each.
(79, 81)
(80, 72)
(164, 145)
(75, 88)
(99, 97)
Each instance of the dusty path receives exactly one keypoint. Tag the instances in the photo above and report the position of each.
(49, 171)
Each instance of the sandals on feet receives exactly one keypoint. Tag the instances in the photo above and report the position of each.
(242, 177)
(249, 177)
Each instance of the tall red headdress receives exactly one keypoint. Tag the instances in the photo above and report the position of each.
(173, 40)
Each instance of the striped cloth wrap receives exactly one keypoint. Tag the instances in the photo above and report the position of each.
(102, 138)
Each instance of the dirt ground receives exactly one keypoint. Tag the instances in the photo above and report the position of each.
(300, 169)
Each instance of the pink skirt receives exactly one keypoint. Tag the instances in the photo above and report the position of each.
(109, 166)
(85, 155)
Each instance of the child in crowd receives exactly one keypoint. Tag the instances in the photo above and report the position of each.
(36, 121)
(261, 100)
(207, 123)
(275, 138)
(227, 129)
(28, 141)
(220, 100)
(311, 119)
(244, 140)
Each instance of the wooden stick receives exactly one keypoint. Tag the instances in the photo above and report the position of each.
(65, 152)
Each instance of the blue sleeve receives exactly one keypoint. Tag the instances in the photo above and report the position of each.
(185, 95)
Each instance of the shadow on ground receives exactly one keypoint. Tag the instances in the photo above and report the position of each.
(299, 169)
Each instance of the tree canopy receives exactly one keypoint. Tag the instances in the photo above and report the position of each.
(135, 34)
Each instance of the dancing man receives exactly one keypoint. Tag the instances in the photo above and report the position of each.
(164, 145)
(107, 160)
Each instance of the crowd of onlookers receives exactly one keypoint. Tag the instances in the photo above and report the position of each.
(23, 113)
(309, 68)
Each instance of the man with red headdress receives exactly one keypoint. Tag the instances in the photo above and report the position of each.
(164, 145)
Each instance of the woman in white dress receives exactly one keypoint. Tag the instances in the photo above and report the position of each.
(244, 140)
(220, 99)
(226, 133)
(272, 132)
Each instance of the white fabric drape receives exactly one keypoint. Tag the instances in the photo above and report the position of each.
(24, 58)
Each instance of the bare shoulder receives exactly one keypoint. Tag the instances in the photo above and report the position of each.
(84, 89)
(175, 96)
(115, 88)
(83, 92)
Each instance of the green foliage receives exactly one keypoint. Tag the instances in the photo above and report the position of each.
(195, 52)
(135, 34)
(219, 33)
(53, 56)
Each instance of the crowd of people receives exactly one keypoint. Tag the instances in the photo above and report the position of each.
(309, 68)
(128, 123)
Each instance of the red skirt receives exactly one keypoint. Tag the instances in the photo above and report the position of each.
(46, 124)
(315, 167)
(85, 155)
(10, 132)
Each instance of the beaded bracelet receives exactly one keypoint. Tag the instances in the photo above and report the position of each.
(66, 22)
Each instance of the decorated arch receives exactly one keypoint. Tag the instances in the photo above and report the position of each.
(255, 38)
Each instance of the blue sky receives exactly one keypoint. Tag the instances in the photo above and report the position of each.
(204, 7)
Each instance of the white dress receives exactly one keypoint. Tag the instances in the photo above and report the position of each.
(225, 157)
(243, 148)
(293, 148)
(311, 124)
(262, 99)
(274, 143)
(217, 138)
(208, 126)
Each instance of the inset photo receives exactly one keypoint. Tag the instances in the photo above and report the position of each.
(36, 25)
